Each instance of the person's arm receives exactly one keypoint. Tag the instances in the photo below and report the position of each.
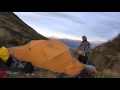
(81, 53)
(88, 48)
(81, 46)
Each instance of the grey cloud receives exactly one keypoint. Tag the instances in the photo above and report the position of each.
(115, 25)
(94, 24)
(62, 16)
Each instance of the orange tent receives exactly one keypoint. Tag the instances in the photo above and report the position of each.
(48, 54)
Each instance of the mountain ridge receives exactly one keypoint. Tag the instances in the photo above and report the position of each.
(74, 43)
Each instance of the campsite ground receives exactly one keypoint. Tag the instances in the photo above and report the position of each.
(38, 73)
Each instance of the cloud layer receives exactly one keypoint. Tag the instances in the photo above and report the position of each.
(97, 26)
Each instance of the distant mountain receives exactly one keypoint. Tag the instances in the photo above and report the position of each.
(75, 43)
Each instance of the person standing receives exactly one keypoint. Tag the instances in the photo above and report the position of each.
(85, 47)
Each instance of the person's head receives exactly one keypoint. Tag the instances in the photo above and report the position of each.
(84, 38)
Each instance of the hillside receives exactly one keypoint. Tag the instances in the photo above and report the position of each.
(106, 58)
(13, 31)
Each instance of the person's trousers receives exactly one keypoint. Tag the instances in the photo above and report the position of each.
(83, 59)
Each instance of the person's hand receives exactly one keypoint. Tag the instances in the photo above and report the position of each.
(81, 53)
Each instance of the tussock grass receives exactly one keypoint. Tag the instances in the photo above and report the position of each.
(106, 58)
(108, 74)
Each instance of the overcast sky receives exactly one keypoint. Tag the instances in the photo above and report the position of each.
(97, 26)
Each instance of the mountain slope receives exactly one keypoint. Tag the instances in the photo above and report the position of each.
(13, 31)
(106, 58)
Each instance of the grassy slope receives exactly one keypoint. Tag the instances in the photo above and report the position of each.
(13, 31)
(106, 58)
